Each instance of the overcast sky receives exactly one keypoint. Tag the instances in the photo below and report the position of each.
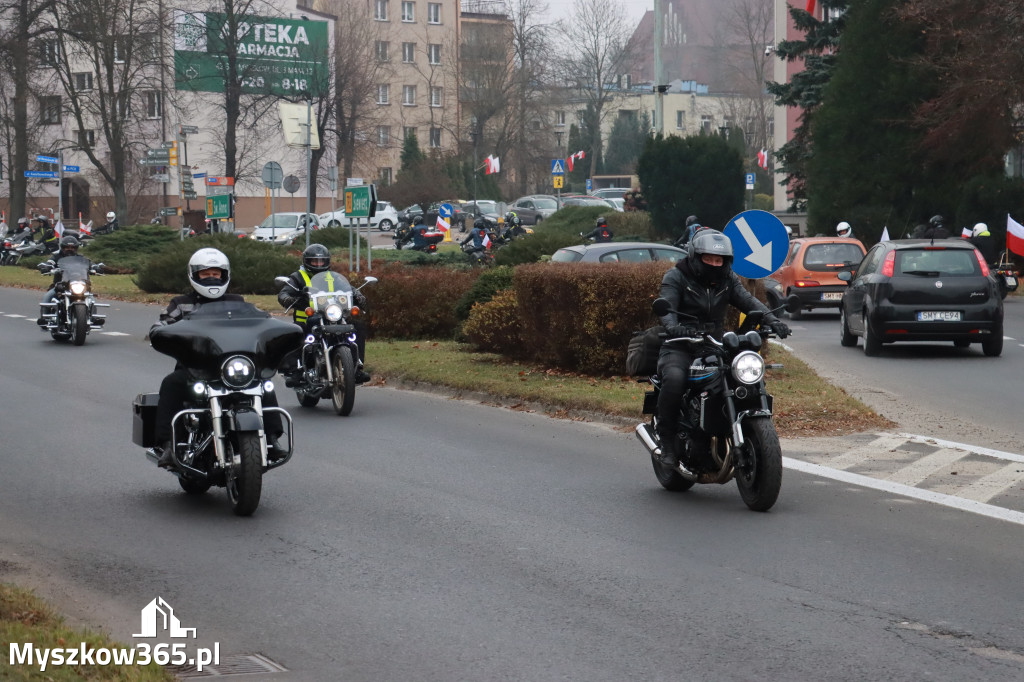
(635, 9)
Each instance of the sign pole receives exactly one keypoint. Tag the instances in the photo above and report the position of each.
(309, 161)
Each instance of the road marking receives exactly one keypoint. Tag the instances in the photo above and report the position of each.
(971, 506)
(13, 315)
(114, 334)
(886, 442)
(999, 454)
(917, 472)
(996, 483)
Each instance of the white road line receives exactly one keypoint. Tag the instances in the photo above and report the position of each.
(987, 487)
(885, 442)
(998, 454)
(971, 506)
(114, 334)
(14, 315)
(914, 473)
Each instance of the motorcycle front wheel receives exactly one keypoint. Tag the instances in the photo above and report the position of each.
(245, 479)
(79, 324)
(343, 393)
(759, 478)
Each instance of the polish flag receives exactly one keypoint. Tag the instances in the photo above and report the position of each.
(442, 224)
(487, 241)
(762, 159)
(59, 228)
(1014, 236)
(82, 227)
(493, 165)
(965, 233)
(570, 162)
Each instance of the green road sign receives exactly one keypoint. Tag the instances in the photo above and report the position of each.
(360, 202)
(285, 57)
(218, 207)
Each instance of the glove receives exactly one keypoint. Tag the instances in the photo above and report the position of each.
(781, 329)
(678, 330)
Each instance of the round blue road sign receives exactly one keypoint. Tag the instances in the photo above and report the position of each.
(759, 243)
(445, 211)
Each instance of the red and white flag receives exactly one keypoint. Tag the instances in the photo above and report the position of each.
(442, 224)
(82, 227)
(571, 161)
(965, 233)
(1014, 236)
(493, 164)
(762, 159)
(811, 6)
(487, 241)
(59, 228)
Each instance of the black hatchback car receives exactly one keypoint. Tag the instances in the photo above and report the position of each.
(922, 290)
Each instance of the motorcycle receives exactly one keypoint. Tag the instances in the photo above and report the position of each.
(20, 244)
(1006, 275)
(231, 349)
(404, 240)
(72, 313)
(725, 428)
(329, 355)
(482, 257)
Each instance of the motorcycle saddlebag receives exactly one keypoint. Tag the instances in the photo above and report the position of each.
(642, 352)
(144, 419)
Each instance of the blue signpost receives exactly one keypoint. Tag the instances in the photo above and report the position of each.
(759, 243)
(445, 211)
(40, 174)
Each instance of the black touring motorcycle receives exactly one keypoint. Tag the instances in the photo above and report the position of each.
(232, 350)
(725, 424)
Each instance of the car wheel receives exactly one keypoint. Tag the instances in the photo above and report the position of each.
(333, 223)
(385, 225)
(539, 219)
(992, 346)
(846, 337)
(872, 343)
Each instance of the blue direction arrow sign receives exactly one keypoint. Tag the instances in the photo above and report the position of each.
(759, 243)
(557, 167)
(47, 159)
(71, 169)
(40, 174)
(445, 210)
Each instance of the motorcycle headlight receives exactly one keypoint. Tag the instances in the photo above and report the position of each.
(78, 288)
(333, 312)
(199, 388)
(237, 371)
(748, 367)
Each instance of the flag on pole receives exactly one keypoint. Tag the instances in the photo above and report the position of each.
(487, 241)
(493, 164)
(965, 233)
(762, 159)
(885, 234)
(442, 224)
(82, 227)
(570, 162)
(1014, 236)
(59, 228)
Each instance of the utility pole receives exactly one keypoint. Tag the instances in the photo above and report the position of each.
(659, 67)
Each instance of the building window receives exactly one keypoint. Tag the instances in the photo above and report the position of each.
(82, 81)
(705, 123)
(86, 138)
(383, 94)
(681, 119)
(49, 110)
(121, 51)
(408, 11)
(433, 13)
(154, 103)
(383, 136)
(408, 52)
(435, 136)
(384, 174)
(559, 118)
(409, 95)
(436, 96)
(49, 52)
(408, 131)
(434, 53)
(382, 50)
(380, 10)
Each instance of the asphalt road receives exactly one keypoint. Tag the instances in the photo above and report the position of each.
(432, 539)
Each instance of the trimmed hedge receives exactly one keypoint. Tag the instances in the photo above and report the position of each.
(489, 283)
(495, 326)
(412, 302)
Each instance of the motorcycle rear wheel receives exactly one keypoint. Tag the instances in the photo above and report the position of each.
(245, 480)
(79, 324)
(760, 484)
(669, 479)
(343, 393)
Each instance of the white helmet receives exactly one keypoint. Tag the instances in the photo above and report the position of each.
(843, 229)
(204, 259)
(979, 229)
(110, 216)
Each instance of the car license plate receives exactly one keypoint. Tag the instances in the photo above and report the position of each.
(1011, 281)
(834, 296)
(938, 316)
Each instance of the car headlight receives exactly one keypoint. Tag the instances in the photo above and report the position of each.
(237, 371)
(253, 236)
(78, 288)
(333, 312)
(748, 367)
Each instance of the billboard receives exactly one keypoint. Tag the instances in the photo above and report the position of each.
(278, 56)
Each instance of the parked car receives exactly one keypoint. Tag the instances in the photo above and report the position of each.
(493, 210)
(534, 208)
(587, 200)
(384, 219)
(618, 252)
(284, 228)
(922, 290)
(809, 271)
(610, 192)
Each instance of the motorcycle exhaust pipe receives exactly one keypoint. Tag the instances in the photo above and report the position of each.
(644, 435)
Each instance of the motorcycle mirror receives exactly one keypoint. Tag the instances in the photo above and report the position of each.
(793, 303)
(370, 280)
(281, 280)
(661, 307)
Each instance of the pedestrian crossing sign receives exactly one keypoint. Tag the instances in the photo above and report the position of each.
(557, 167)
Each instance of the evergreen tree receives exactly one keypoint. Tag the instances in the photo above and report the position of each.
(625, 143)
(412, 155)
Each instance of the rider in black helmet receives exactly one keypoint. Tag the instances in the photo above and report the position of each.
(600, 233)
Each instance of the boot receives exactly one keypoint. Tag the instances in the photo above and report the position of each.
(166, 453)
(669, 457)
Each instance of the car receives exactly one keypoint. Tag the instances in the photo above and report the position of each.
(619, 252)
(534, 208)
(284, 228)
(921, 290)
(610, 192)
(407, 215)
(384, 219)
(809, 272)
(586, 200)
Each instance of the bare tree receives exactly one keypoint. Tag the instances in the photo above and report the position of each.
(751, 26)
(596, 41)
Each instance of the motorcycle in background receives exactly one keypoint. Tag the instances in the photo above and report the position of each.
(404, 240)
(1006, 275)
(329, 356)
(72, 313)
(231, 349)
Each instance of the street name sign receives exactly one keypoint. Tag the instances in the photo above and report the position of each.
(40, 174)
(360, 202)
(218, 207)
(71, 169)
(47, 159)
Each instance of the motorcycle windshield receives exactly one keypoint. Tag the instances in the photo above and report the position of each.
(205, 338)
(75, 268)
(329, 281)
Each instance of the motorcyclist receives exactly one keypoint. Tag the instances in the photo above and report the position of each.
(68, 247)
(316, 259)
(477, 235)
(513, 227)
(110, 225)
(47, 234)
(844, 230)
(703, 286)
(691, 226)
(935, 229)
(209, 274)
(419, 231)
(600, 233)
(984, 243)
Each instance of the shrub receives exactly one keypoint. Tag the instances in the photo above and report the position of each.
(129, 248)
(332, 238)
(416, 302)
(489, 283)
(495, 325)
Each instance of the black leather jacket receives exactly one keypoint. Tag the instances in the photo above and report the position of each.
(682, 290)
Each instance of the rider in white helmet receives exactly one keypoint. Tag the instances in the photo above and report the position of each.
(843, 229)
(983, 242)
(110, 225)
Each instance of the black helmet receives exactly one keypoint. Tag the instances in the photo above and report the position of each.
(937, 221)
(601, 222)
(69, 245)
(713, 242)
(512, 218)
(418, 220)
(316, 258)
(692, 220)
(480, 223)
